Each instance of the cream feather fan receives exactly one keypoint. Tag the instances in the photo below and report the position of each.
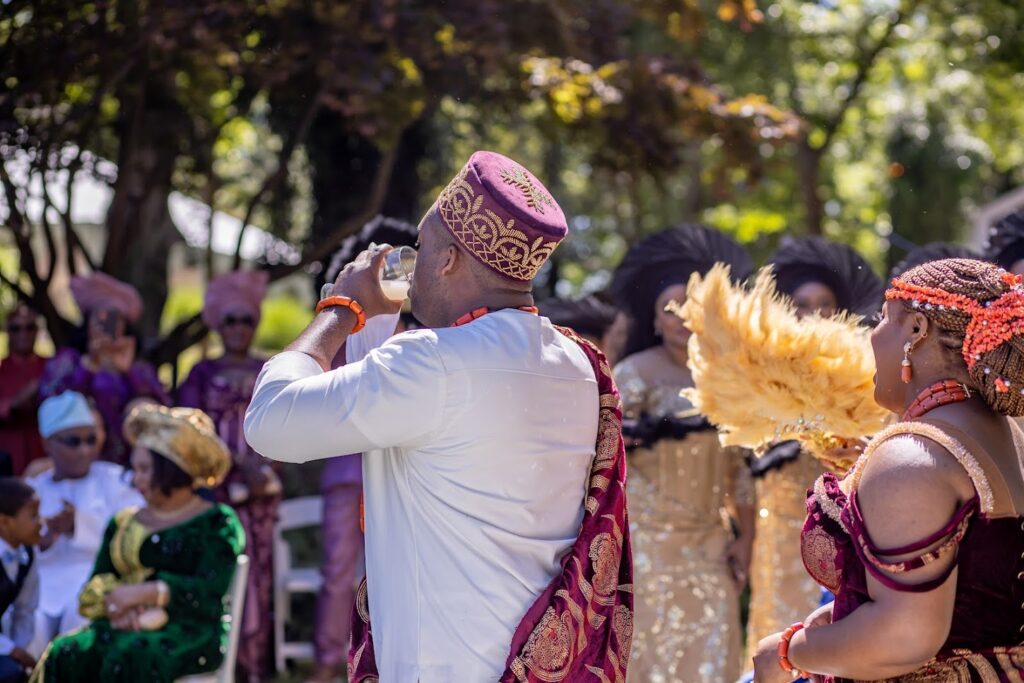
(762, 375)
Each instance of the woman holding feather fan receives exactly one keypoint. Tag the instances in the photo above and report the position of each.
(821, 278)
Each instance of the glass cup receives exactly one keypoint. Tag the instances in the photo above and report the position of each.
(395, 275)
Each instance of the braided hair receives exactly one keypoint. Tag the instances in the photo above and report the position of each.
(983, 282)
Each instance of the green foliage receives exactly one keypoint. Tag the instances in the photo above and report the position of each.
(283, 319)
(637, 114)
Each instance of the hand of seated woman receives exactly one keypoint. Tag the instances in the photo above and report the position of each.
(127, 619)
(131, 595)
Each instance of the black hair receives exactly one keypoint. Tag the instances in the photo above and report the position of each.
(934, 251)
(79, 337)
(588, 316)
(15, 494)
(1005, 245)
(664, 259)
(800, 260)
(382, 230)
(167, 476)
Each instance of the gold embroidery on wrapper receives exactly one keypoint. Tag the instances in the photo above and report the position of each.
(499, 244)
(604, 557)
(607, 441)
(357, 657)
(818, 550)
(967, 666)
(520, 179)
(622, 627)
(547, 649)
(363, 602)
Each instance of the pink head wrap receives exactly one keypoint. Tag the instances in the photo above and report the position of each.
(99, 292)
(242, 290)
(502, 215)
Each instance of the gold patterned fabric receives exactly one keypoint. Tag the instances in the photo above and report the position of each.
(124, 555)
(781, 590)
(185, 436)
(687, 623)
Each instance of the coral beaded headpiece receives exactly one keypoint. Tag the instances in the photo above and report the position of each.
(992, 323)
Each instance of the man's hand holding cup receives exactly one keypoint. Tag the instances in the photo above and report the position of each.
(360, 280)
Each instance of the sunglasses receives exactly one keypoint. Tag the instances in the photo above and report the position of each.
(74, 441)
(18, 329)
(246, 320)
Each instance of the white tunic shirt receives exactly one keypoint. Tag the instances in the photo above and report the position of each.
(478, 442)
(66, 565)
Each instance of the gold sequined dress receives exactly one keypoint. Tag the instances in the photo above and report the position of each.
(687, 623)
(781, 590)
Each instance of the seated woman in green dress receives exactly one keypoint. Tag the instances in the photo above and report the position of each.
(156, 596)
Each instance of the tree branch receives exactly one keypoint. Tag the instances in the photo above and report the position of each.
(21, 230)
(275, 178)
(22, 294)
(865, 63)
(51, 242)
(184, 335)
(351, 225)
(74, 242)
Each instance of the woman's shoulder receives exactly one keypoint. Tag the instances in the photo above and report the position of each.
(917, 456)
(226, 520)
(636, 367)
(61, 364)
(908, 485)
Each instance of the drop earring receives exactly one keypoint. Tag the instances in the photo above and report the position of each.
(907, 370)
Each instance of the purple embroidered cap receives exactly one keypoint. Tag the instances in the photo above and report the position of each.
(502, 215)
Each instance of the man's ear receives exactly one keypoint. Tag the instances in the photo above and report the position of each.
(450, 260)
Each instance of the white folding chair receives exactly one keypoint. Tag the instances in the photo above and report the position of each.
(295, 513)
(233, 616)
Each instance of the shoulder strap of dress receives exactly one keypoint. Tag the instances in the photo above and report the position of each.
(932, 433)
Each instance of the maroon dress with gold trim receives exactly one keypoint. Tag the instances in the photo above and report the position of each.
(984, 642)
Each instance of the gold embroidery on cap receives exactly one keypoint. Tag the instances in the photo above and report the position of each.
(535, 197)
(496, 242)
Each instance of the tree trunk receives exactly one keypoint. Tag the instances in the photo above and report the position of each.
(139, 227)
(808, 165)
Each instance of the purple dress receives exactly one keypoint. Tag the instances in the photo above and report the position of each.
(223, 389)
(984, 639)
(341, 487)
(111, 392)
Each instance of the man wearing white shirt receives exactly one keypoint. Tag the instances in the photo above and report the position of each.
(481, 438)
(78, 497)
